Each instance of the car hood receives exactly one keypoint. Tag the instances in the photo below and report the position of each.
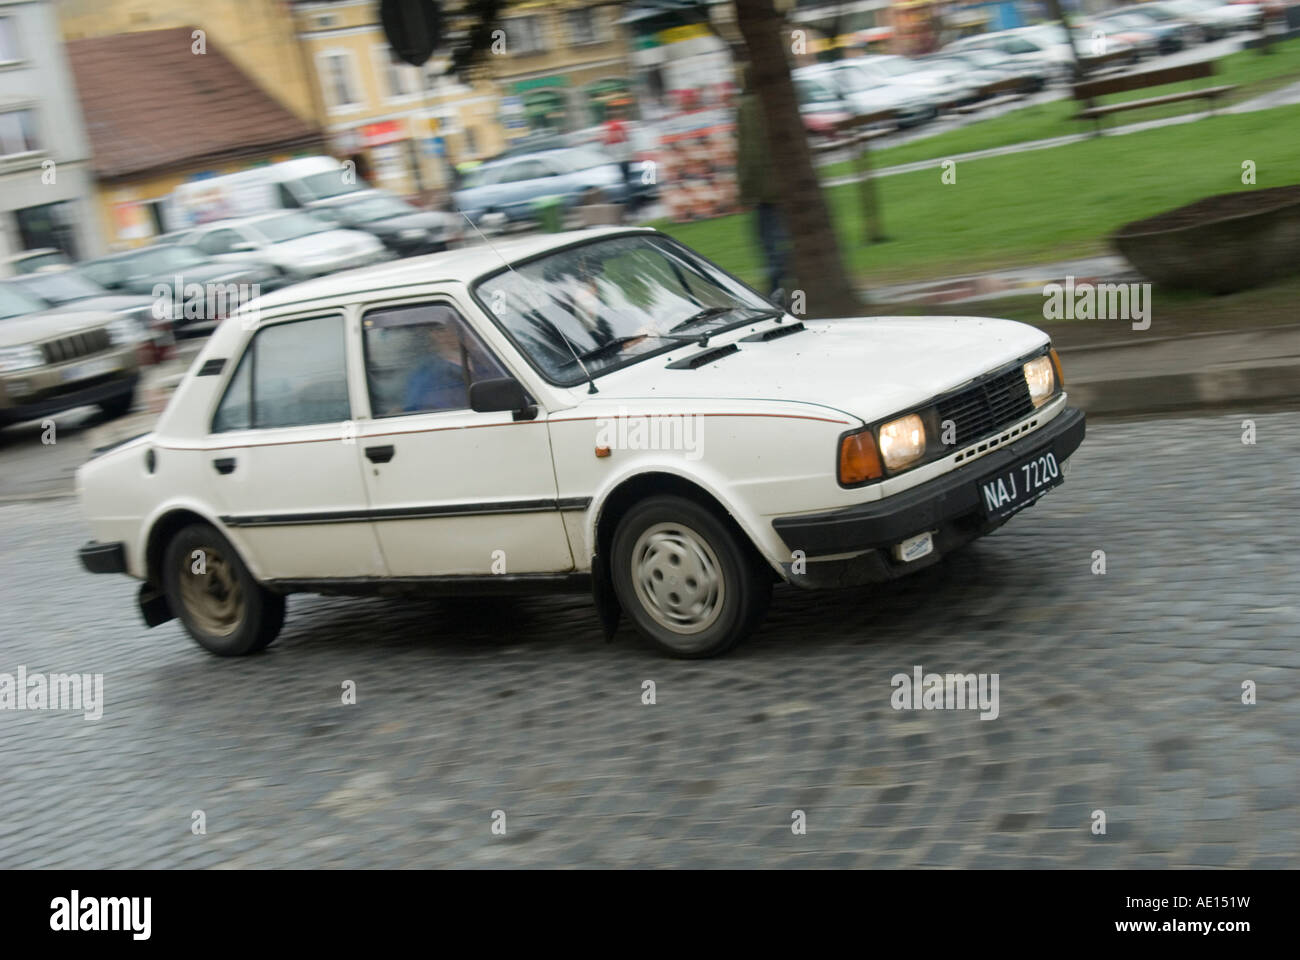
(36, 327)
(867, 367)
(331, 242)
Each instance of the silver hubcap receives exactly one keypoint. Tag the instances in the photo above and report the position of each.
(678, 578)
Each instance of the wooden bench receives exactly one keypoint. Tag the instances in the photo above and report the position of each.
(1088, 90)
(995, 94)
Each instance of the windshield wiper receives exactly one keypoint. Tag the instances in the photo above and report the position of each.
(708, 313)
(610, 346)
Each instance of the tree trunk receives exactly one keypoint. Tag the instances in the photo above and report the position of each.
(818, 268)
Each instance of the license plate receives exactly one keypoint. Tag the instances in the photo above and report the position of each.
(91, 368)
(1018, 486)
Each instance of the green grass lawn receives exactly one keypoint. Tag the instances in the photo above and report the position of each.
(1253, 73)
(1032, 207)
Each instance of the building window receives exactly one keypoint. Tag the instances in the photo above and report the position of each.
(524, 35)
(18, 132)
(8, 41)
(325, 20)
(337, 77)
(49, 225)
(584, 28)
(398, 78)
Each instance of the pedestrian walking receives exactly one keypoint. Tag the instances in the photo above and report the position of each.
(757, 187)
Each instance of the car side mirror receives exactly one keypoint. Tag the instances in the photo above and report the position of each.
(505, 393)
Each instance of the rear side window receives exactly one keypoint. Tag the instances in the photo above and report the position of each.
(292, 374)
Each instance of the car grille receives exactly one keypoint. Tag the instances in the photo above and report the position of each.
(988, 406)
(77, 345)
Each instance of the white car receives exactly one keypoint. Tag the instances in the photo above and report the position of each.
(600, 411)
(296, 243)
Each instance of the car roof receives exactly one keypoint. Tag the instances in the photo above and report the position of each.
(463, 264)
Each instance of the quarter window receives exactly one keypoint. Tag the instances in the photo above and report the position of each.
(422, 359)
(292, 374)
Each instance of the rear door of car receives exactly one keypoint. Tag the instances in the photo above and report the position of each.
(282, 454)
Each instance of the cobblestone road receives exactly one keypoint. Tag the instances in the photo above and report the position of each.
(1118, 692)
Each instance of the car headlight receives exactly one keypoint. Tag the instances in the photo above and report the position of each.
(123, 331)
(21, 358)
(1041, 376)
(902, 441)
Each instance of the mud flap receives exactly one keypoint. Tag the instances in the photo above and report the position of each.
(154, 606)
(602, 592)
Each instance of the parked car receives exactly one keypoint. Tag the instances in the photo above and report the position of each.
(70, 289)
(985, 62)
(1172, 34)
(30, 261)
(55, 360)
(1214, 18)
(1026, 45)
(865, 94)
(196, 290)
(601, 411)
(948, 85)
(399, 226)
(511, 188)
(821, 105)
(295, 243)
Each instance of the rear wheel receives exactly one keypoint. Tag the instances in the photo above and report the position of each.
(224, 609)
(691, 585)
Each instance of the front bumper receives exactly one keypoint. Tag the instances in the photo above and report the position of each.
(949, 504)
(78, 394)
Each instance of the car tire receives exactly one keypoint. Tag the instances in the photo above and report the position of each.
(691, 584)
(118, 406)
(209, 588)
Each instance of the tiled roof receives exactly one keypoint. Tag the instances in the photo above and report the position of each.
(151, 103)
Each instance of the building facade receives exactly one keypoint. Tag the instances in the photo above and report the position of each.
(46, 184)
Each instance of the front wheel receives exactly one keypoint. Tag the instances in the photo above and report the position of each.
(692, 586)
(118, 406)
(224, 609)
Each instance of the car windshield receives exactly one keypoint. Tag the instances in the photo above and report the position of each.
(66, 286)
(159, 260)
(330, 183)
(893, 66)
(374, 208)
(571, 161)
(614, 300)
(290, 226)
(17, 303)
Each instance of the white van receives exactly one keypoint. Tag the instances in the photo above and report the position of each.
(291, 184)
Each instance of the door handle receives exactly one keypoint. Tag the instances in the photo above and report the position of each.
(380, 454)
(224, 465)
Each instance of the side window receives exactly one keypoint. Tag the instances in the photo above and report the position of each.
(218, 241)
(287, 199)
(292, 374)
(421, 359)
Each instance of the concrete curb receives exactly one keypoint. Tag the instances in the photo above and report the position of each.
(1187, 390)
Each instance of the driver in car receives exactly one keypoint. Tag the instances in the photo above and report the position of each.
(438, 383)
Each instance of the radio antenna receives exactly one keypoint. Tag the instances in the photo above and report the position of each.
(591, 383)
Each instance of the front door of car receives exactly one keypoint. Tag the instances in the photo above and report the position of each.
(452, 491)
(282, 459)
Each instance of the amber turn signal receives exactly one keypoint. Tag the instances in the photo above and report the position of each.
(859, 458)
(1056, 366)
